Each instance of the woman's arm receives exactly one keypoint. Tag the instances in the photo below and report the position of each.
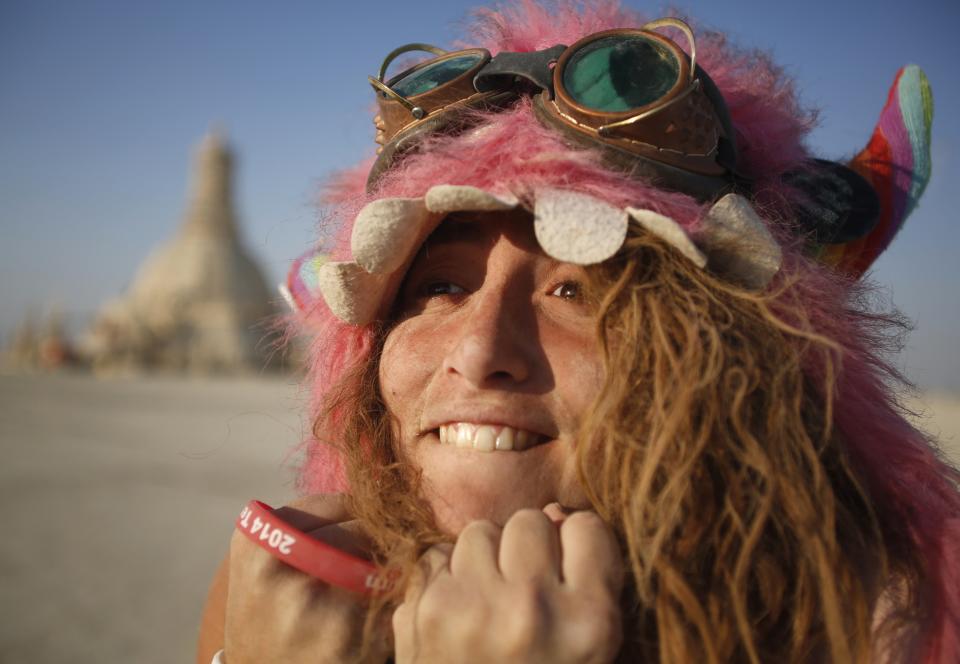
(214, 615)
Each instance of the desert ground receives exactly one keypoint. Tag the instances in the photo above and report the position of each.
(118, 498)
(118, 502)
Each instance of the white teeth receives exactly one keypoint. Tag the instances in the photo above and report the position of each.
(465, 435)
(521, 440)
(505, 439)
(486, 437)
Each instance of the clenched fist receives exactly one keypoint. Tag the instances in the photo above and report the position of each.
(275, 613)
(532, 591)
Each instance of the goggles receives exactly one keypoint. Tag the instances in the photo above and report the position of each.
(632, 93)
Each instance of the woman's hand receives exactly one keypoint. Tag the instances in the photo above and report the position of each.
(529, 592)
(275, 613)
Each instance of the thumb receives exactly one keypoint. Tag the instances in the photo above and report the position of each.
(557, 513)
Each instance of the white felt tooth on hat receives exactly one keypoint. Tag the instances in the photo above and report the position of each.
(670, 231)
(738, 244)
(446, 198)
(387, 231)
(578, 228)
(386, 235)
(351, 293)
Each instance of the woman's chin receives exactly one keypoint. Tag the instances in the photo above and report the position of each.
(463, 486)
(452, 517)
(455, 508)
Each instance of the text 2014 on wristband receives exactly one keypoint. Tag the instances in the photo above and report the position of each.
(326, 562)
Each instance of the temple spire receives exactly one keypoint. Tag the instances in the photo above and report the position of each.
(211, 208)
(199, 302)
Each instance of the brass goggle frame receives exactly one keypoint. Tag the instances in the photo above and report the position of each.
(398, 113)
(682, 130)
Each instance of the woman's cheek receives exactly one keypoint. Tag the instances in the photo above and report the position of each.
(406, 366)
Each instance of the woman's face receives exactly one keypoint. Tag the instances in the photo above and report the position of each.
(495, 348)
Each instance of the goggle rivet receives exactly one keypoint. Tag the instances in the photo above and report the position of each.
(417, 112)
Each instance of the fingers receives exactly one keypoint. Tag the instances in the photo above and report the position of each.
(458, 608)
(476, 551)
(529, 547)
(590, 554)
(434, 562)
(556, 512)
(584, 553)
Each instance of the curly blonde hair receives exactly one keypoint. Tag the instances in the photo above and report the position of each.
(711, 451)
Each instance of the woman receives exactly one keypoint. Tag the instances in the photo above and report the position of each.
(594, 370)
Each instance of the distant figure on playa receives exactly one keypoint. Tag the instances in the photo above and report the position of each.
(595, 374)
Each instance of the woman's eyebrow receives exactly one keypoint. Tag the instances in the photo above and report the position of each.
(451, 231)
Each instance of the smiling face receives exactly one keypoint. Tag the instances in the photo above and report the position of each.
(489, 369)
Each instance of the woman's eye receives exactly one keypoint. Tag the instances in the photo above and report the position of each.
(568, 290)
(436, 288)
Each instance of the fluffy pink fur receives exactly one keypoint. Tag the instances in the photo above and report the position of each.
(901, 468)
(511, 152)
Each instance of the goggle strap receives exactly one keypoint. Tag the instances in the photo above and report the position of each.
(407, 48)
(532, 66)
(687, 32)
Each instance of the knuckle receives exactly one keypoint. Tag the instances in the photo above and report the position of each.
(605, 624)
(598, 634)
(586, 520)
(246, 557)
(434, 559)
(476, 534)
(528, 516)
(528, 618)
(238, 544)
(527, 521)
(432, 609)
(479, 529)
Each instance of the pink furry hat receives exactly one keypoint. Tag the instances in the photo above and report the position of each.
(513, 158)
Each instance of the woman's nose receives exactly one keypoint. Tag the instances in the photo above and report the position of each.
(496, 342)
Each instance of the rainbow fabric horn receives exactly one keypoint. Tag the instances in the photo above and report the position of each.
(301, 289)
(896, 163)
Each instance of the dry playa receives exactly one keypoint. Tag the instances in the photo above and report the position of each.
(119, 496)
(118, 502)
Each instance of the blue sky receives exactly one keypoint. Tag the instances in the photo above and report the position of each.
(102, 101)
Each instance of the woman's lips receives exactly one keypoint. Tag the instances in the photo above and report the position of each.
(488, 437)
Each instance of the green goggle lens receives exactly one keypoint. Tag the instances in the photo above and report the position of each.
(433, 75)
(620, 73)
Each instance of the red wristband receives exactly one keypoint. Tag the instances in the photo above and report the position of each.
(262, 526)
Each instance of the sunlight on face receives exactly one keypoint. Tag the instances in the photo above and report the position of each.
(494, 349)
